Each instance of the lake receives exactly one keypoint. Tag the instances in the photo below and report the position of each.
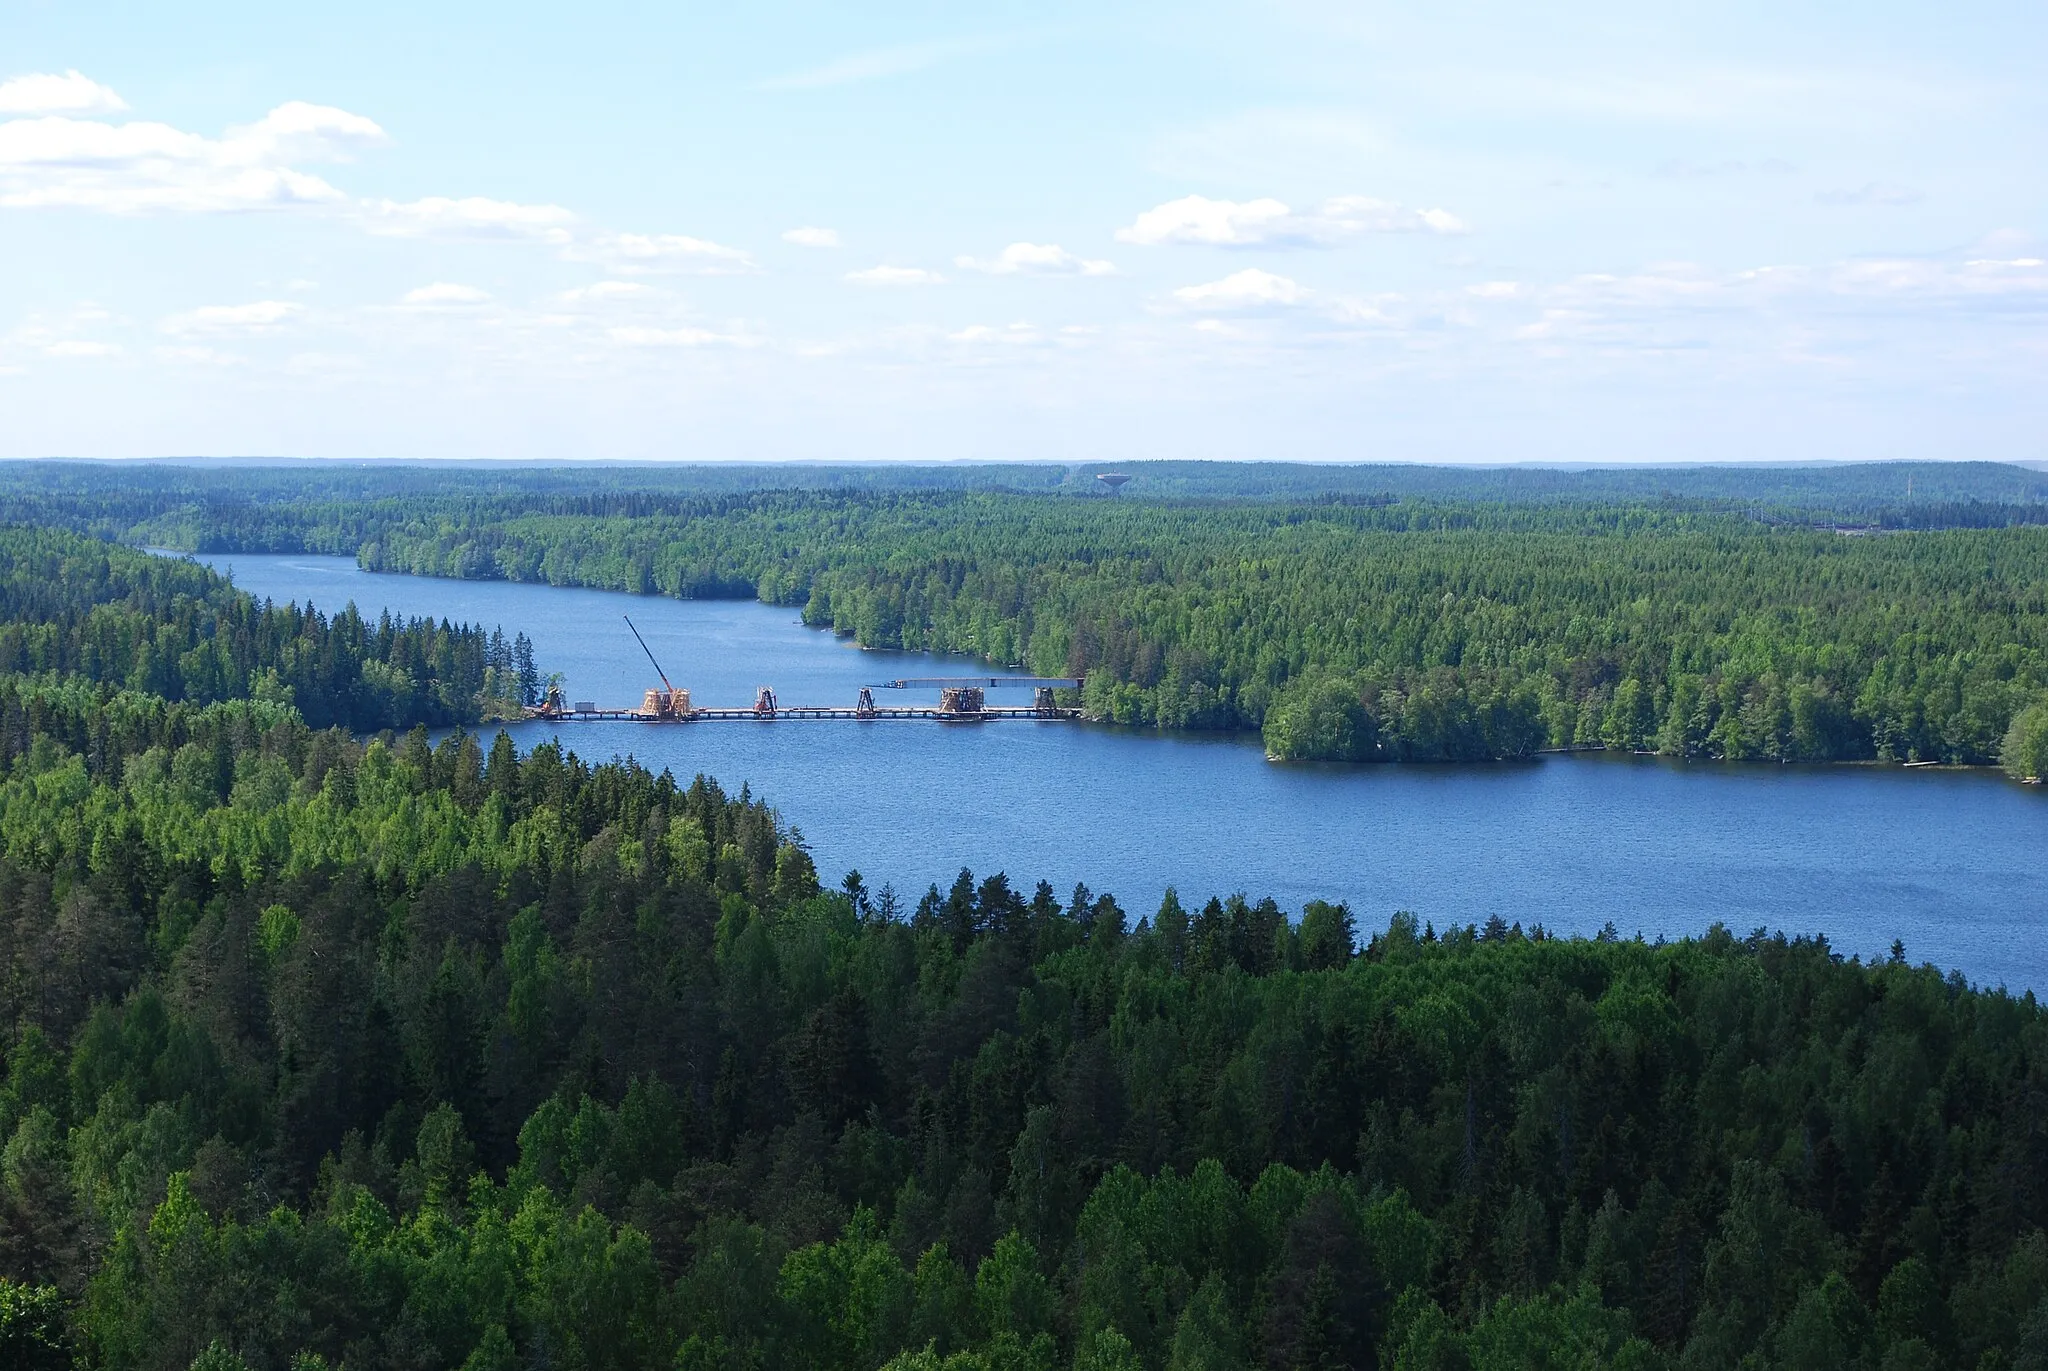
(1950, 863)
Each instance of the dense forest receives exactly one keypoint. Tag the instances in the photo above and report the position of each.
(1402, 632)
(299, 506)
(323, 1048)
(1460, 615)
(323, 1053)
(73, 609)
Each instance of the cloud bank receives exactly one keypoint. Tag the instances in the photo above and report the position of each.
(142, 167)
(443, 293)
(1199, 220)
(257, 316)
(45, 93)
(52, 158)
(1036, 259)
(895, 276)
(1247, 289)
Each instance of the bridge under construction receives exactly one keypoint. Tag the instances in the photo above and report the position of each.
(962, 699)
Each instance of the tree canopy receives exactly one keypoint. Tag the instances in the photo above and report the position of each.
(1452, 633)
(81, 610)
(326, 1052)
(1743, 614)
(323, 1047)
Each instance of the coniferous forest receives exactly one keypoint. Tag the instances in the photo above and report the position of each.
(1808, 614)
(330, 1044)
(74, 610)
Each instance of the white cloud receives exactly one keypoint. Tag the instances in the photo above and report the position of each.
(601, 291)
(1368, 312)
(1270, 223)
(1350, 215)
(80, 347)
(652, 253)
(446, 293)
(1017, 334)
(1289, 308)
(1648, 308)
(143, 167)
(1873, 193)
(1198, 219)
(470, 218)
(1247, 289)
(668, 337)
(140, 168)
(61, 335)
(258, 316)
(298, 132)
(1037, 259)
(1905, 282)
(193, 354)
(812, 237)
(47, 93)
(322, 364)
(895, 276)
(1664, 286)
(1495, 290)
(2023, 278)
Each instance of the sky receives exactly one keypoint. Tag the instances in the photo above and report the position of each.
(1464, 232)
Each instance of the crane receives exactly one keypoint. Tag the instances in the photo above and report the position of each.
(668, 702)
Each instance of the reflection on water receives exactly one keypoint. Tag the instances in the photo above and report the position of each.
(1949, 863)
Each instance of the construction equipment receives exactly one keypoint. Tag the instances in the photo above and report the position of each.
(961, 702)
(962, 699)
(984, 682)
(667, 702)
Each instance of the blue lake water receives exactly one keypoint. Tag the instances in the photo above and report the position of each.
(1950, 863)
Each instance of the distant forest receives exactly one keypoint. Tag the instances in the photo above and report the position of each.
(120, 496)
(1754, 614)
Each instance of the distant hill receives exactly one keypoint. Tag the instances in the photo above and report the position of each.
(113, 497)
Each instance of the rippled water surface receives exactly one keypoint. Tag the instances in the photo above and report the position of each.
(1950, 863)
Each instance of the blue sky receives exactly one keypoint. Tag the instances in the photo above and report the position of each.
(1460, 232)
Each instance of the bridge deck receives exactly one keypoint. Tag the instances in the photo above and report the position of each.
(804, 712)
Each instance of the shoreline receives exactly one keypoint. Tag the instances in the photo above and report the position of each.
(1222, 735)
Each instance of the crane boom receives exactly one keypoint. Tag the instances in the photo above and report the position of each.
(650, 655)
